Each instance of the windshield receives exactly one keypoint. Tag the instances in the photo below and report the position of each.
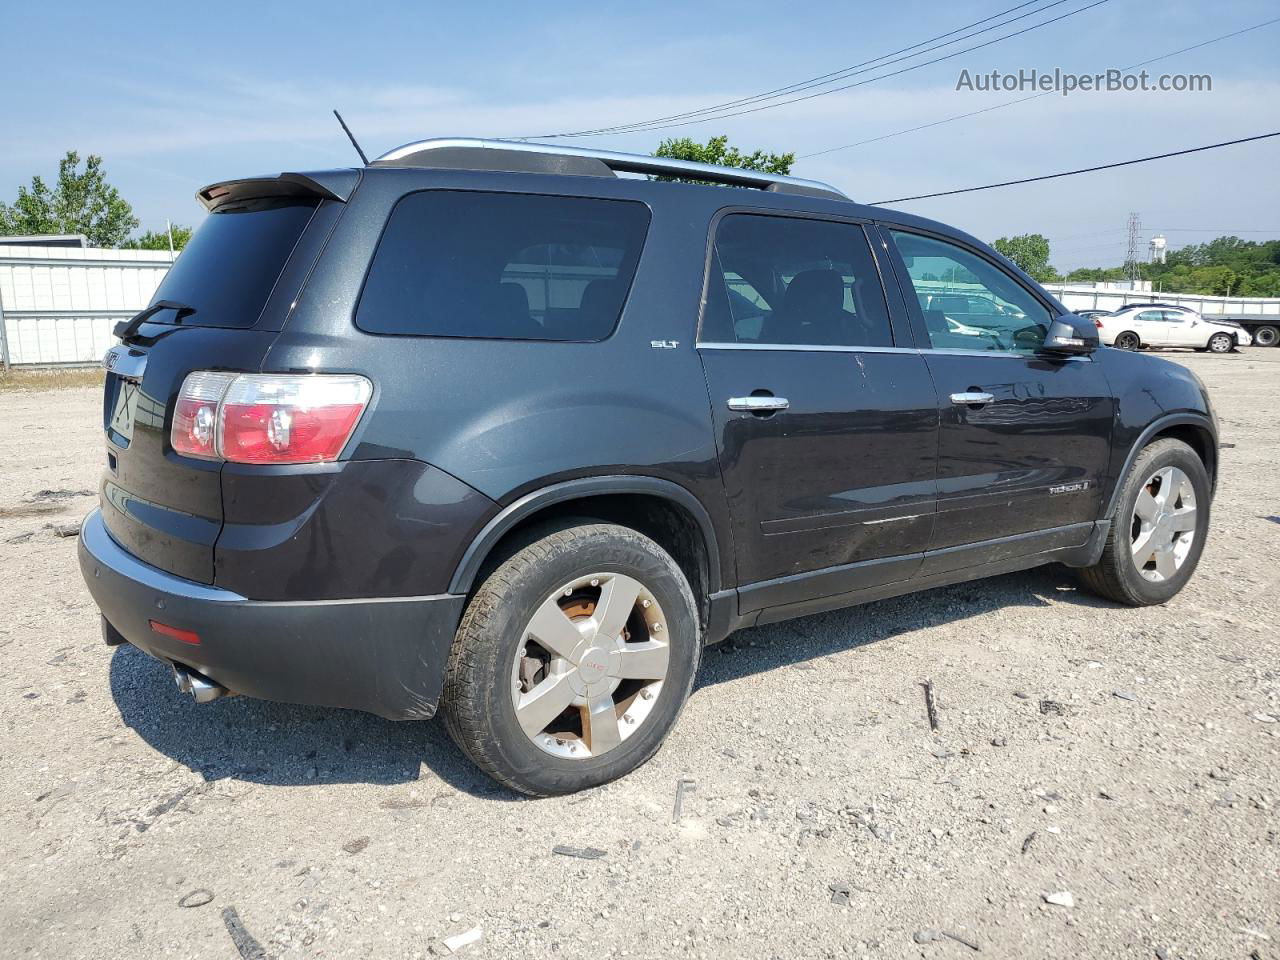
(226, 273)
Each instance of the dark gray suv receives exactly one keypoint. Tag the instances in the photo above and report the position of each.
(484, 425)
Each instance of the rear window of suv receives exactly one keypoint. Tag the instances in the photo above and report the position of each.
(503, 266)
(228, 270)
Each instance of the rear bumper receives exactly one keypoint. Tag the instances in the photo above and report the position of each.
(385, 656)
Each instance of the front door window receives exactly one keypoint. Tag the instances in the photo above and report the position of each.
(968, 302)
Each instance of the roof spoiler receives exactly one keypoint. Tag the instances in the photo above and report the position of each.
(325, 185)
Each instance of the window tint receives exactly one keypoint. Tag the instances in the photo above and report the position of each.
(786, 280)
(1171, 316)
(968, 302)
(1152, 316)
(227, 271)
(503, 265)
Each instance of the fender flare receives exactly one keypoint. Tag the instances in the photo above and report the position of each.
(521, 509)
(1186, 418)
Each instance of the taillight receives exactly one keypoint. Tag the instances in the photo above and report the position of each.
(1097, 323)
(267, 418)
(195, 417)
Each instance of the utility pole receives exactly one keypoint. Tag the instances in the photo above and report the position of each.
(1132, 267)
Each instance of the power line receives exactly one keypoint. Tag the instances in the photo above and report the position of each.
(812, 81)
(1034, 96)
(1072, 173)
(657, 125)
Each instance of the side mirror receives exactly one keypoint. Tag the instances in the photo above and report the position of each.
(1070, 335)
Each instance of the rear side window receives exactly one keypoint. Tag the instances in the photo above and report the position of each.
(782, 280)
(228, 270)
(503, 266)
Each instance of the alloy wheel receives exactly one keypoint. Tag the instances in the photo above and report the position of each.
(1128, 341)
(1220, 343)
(1164, 524)
(590, 666)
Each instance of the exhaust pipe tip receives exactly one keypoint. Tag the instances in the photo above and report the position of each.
(201, 688)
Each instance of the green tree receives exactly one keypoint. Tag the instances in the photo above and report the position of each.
(717, 151)
(153, 240)
(81, 202)
(1225, 266)
(1030, 251)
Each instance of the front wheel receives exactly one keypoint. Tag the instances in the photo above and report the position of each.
(573, 660)
(1128, 341)
(1158, 528)
(1221, 343)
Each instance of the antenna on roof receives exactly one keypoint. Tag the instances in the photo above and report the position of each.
(352, 137)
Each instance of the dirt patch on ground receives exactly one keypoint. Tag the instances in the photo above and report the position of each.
(1104, 782)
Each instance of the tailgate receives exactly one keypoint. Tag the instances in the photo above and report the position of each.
(220, 307)
(163, 508)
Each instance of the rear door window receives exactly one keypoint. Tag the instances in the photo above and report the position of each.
(503, 266)
(228, 270)
(791, 280)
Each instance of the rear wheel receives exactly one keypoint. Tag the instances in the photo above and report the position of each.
(1128, 341)
(573, 660)
(1266, 336)
(1221, 343)
(1158, 528)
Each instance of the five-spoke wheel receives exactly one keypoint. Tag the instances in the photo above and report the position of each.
(1164, 524)
(573, 658)
(592, 664)
(1157, 527)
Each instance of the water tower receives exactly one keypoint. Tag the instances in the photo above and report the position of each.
(1158, 249)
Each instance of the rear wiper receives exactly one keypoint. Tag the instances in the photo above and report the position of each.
(127, 328)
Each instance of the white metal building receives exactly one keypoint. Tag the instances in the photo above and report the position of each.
(59, 304)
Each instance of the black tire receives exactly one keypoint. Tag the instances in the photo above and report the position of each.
(1221, 343)
(1128, 340)
(1115, 576)
(477, 702)
(1266, 336)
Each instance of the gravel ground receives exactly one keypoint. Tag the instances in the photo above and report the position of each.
(1127, 758)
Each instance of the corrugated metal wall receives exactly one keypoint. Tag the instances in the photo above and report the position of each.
(1086, 297)
(59, 304)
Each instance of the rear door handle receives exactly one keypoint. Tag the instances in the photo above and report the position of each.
(758, 404)
(974, 397)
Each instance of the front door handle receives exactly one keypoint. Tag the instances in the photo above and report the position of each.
(971, 397)
(758, 404)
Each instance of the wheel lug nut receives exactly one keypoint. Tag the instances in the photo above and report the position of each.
(595, 581)
(628, 719)
(657, 628)
(646, 694)
(568, 591)
(645, 604)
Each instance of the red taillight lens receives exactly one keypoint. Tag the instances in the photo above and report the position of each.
(269, 418)
(1097, 323)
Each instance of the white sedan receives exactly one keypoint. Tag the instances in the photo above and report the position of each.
(1159, 325)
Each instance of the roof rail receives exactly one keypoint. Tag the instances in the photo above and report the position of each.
(476, 154)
